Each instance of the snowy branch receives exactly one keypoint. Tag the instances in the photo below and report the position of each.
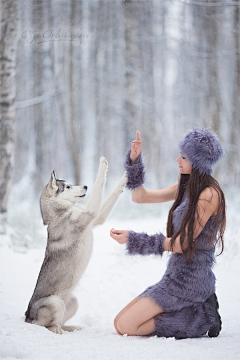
(38, 99)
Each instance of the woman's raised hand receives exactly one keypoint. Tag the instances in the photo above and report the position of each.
(121, 236)
(136, 147)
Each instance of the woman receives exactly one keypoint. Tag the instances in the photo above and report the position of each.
(183, 303)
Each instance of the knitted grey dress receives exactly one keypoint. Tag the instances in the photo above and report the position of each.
(184, 288)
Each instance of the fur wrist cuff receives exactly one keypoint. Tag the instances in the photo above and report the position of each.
(144, 244)
(135, 172)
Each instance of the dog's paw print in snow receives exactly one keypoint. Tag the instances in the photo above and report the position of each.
(88, 321)
(95, 323)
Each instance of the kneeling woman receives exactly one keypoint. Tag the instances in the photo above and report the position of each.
(183, 303)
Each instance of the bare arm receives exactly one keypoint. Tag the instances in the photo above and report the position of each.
(144, 196)
(139, 193)
(206, 206)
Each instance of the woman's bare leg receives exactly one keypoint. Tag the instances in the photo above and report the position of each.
(137, 318)
(123, 311)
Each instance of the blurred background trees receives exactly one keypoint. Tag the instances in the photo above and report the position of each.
(90, 73)
(8, 55)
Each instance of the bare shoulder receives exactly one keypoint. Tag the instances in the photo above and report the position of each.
(209, 193)
(209, 197)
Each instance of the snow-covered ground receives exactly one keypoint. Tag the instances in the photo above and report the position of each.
(111, 280)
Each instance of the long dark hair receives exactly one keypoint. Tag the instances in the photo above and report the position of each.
(194, 184)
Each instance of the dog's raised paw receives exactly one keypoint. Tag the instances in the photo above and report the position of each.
(71, 328)
(55, 329)
(124, 179)
(103, 163)
(103, 160)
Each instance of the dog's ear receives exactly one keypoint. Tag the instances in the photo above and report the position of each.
(53, 181)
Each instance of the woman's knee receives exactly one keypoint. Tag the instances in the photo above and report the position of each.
(122, 312)
(124, 326)
(116, 324)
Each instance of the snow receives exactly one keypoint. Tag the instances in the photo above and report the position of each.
(111, 280)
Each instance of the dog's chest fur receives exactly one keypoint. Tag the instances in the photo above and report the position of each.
(74, 246)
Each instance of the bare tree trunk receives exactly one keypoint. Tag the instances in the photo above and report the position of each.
(213, 99)
(147, 88)
(38, 20)
(116, 69)
(68, 76)
(159, 66)
(132, 105)
(235, 129)
(73, 121)
(8, 49)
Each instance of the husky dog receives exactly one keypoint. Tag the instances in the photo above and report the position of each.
(69, 247)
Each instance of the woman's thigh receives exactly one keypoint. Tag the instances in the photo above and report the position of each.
(140, 311)
(134, 301)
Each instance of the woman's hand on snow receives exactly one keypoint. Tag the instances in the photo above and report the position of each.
(121, 236)
(136, 147)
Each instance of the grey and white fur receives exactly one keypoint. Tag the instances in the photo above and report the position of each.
(69, 247)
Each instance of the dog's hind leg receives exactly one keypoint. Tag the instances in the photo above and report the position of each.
(48, 312)
(71, 310)
(111, 200)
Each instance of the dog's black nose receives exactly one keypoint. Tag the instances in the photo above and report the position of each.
(85, 187)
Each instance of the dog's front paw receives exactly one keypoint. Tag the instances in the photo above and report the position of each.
(103, 160)
(55, 329)
(124, 180)
(71, 328)
(103, 164)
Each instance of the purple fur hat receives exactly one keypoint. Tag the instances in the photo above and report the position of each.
(203, 149)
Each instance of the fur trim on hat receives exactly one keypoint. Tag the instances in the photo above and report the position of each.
(203, 149)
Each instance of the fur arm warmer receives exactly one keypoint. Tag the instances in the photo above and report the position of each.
(135, 172)
(144, 244)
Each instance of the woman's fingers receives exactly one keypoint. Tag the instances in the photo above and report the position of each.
(134, 150)
(138, 142)
(119, 235)
(136, 147)
(117, 232)
(138, 139)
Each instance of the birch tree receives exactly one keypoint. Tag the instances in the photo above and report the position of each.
(132, 105)
(8, 50)
(235, 130)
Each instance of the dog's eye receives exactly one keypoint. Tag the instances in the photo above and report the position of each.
(68, 187)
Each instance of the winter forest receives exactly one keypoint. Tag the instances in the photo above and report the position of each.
(78, 79)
